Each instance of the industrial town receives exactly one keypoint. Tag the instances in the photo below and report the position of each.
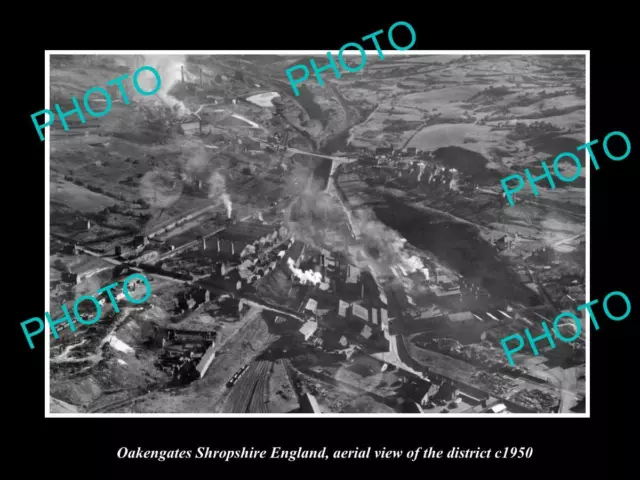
(348, 250)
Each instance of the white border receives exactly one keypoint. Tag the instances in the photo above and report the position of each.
(47, 412)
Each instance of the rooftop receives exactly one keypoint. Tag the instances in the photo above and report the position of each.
(295, 250)
(309, 404)
(248, 231)
(461, 317)
(312, 305)
(308, 329)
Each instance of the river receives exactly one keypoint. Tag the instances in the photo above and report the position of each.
(458, 245)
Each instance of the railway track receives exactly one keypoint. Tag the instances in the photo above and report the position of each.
(250, 393)
(240, 401)
(257, 403)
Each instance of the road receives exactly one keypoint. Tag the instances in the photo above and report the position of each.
(568, 239)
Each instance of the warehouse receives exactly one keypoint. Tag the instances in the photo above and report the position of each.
(244, 238)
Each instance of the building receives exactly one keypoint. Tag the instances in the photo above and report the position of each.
(409, 406)
(70, 249)
(205, 361)
(353, 274)
(384, 319)
(140, 241)
(308, 329)
(191, 128)
(411, 151)
(359, 312)
(497, 408)
(311, 306)
(384, 150)
(422, 391)
(295, 252)
(524, 277)
(366, 332)
(201, 295)
(460, 319)
(448, 391)
(398, 299)
(372, 291)
(70, 277)
(244, 238)
(343, 308)
(374, 317)
(309, 404)
(250, 144)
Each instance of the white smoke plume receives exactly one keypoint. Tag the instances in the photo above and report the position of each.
(317, 220)
(218, 191)
(390, 246)
(309, 276)
(227, 203)
(169, 68)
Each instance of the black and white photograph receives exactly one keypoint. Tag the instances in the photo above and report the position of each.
(345, 251)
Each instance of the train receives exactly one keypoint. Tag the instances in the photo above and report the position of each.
(236, 376)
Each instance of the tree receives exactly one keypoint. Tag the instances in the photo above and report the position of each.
(218, 78)
(239, 76)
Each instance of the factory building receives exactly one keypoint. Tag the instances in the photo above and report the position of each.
(295, 252)
(358, 311)
(191, 128)
(239, 240)
(398, 299)
(497, 408)
(205, 361)
(312, 306)
(140, 241)
(461, 319)
(308, 329)
(384, 150)
(366, 332)
(353, 274)
(343, 308)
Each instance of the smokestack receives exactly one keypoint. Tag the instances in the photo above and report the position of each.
(233, 249)
(362, 291)
(204, 244)
(218, 245)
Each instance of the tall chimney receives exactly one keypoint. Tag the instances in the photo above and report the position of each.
(218, 245)
(362, 292)
(204, 244)
(233, 250)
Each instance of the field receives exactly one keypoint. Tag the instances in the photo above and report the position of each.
(77, 197)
